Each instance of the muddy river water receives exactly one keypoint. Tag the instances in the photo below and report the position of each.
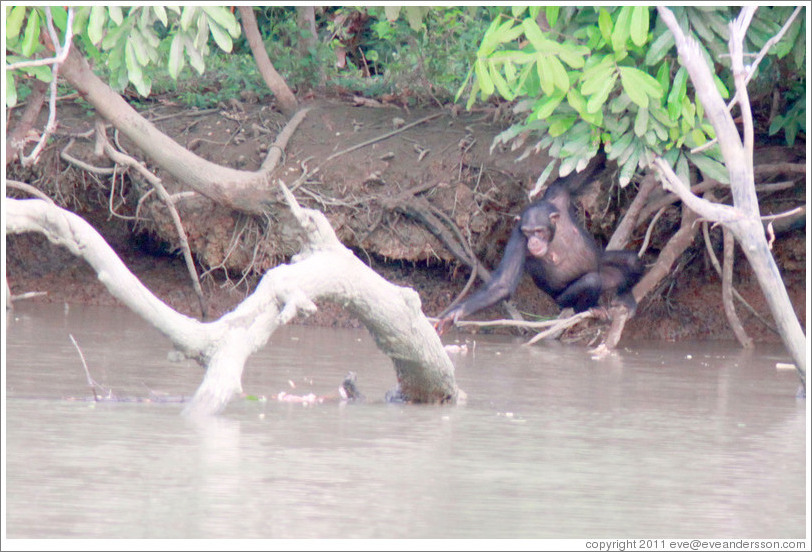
(662, 440)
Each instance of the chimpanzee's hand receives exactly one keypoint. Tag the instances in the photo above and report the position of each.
(446, 321)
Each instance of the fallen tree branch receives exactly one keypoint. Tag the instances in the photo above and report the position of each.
(324, 270)
(561, 325)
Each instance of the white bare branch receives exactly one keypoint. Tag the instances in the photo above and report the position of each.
(325, 270)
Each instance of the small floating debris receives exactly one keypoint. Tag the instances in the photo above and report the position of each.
(456, 349)
(784, 366)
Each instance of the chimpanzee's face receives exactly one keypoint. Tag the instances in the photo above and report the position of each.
(538, 226)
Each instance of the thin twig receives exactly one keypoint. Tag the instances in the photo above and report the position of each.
(29, 189)
(90, 382)
(649, 231)
(62, 53)
(383, 136)
(126, 160)
(718, 268)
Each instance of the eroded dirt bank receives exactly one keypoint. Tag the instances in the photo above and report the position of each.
(374, 196)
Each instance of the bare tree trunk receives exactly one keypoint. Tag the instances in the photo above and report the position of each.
(743, 218)
(324, 270)
(306, 18)
(244, 191)
(287, 101)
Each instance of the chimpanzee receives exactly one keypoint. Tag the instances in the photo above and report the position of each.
(562, 258)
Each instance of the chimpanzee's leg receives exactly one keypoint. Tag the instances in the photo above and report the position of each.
(582, 294)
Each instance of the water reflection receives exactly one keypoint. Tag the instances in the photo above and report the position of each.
(661, 440)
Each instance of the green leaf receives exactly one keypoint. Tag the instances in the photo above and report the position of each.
(499, 82)
(659, 48)
(11, 90)
(688, 112)
(639, 25)
(720, 87)
(545, 174)
(641, 122)
(131, 60)
(639, 85)
(576, 100)
(545, 107)
(683, 170)
(594, 78)
(225, 19)
(143, 84)
(618, 147)
(677, 94)
(632, 88)
(176, 60)
(597, 99)
(414, 15)
(664, 76)
(697, 138)
(661, 116)
(533, 33)
(113, 37)
(560, 78)
(195, 58)
(60, 17)
(545, 73)
(510, 71)
(605, 24)
(186, 17)
(483, 78)
(14, 23)
(630, 166)
(620, 103)
(463, 85)
(160, 13)
(116, 15)
(31, 37)
(221, 37)
(489, 39)
(710, 167)
(572, 55)
(201, 39)
(140, 47)
(620, 33)
(561, 125)
(472, 98)
(552, 14)
(95, 27)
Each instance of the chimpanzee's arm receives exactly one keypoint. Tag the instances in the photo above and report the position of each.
(502, 284)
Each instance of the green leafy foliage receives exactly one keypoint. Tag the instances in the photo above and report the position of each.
(618, 71)
(128, 41)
